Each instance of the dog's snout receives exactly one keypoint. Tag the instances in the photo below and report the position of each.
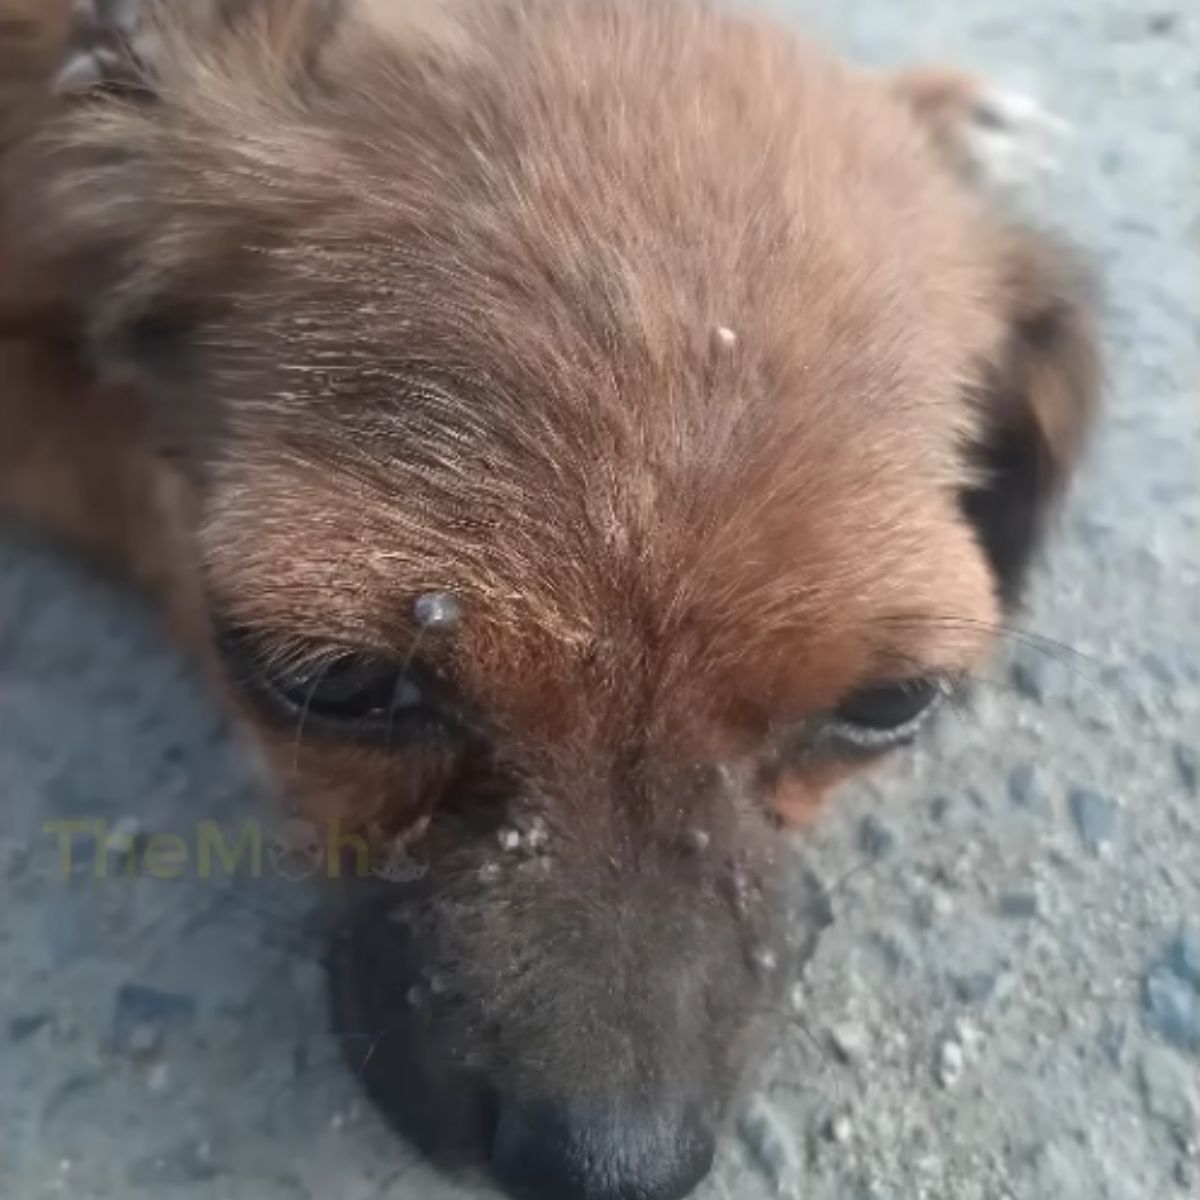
(556, 1152)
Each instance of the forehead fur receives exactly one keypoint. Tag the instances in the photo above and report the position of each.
(609, 350)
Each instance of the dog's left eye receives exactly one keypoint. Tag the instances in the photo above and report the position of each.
(886, 714)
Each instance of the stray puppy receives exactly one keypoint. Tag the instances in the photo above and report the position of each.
(577, 432)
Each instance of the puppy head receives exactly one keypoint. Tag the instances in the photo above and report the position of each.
(611, 424)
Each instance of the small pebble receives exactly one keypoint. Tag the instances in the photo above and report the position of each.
(975, 987)
(1028, 788)
(1095, 817)
(509, 839)
(939, 807)
(851, 1041)
(932, 906)
(769, 1144)
(489, 873)
(1168, 1088)
(967, 1034)
(841, 1129)
(724, 337)
(949, 1064)
(1028, 673)
(1182, 956)
(698, 840)
(875, 838)
(158, 1077)
(1187, 767)
(1171, 1008)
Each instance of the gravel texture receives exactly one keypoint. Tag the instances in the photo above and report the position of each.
(1007, 1006)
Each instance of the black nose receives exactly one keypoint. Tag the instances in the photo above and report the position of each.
(551, 1152)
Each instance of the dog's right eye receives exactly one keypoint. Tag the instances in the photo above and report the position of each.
(353, 688)
(344, 694)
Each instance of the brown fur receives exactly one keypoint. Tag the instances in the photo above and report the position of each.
(407, 298)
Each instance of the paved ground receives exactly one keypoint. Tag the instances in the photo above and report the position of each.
(1008, 1004)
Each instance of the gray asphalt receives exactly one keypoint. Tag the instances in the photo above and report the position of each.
(1007, 1006)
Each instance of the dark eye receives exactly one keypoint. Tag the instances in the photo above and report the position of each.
(345, 694)
(353, 689)
(886, 714)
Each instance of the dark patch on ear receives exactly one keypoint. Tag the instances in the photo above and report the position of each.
(1008, 508)
(1038, 404)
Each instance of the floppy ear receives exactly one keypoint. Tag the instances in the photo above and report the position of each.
(137, 199)
(1036, 405)
(1038, 400)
